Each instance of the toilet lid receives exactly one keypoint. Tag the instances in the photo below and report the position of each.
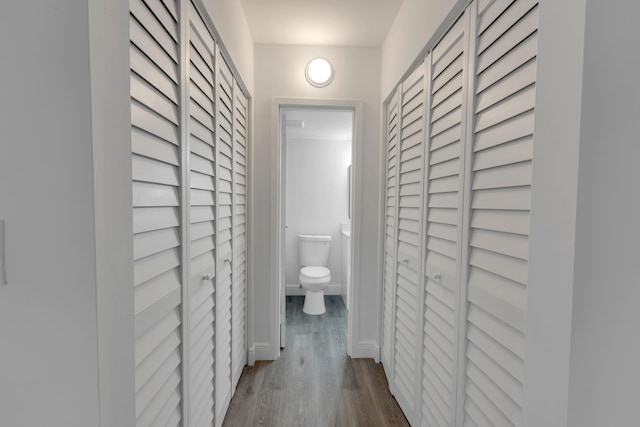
(315, 272)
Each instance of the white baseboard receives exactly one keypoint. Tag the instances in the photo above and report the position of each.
(366, 350)
(251, 356)
(260, 351)
(296, 289)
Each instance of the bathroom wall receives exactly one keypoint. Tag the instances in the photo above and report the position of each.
(317, 201)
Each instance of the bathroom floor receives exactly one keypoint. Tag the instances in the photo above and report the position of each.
(314, 383)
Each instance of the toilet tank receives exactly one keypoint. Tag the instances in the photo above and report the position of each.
(314, 250)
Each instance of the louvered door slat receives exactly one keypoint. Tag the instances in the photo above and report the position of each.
(149, 96)
(164, 15)
(518, 103)
(154, 171)
(407, 330)
(200, 153)
(151, 73)
(153, 242)
(499, 212)
(445, 195)
(144, 119)
(391, 222)
(514, 82)
(200, 181)
(164, 36)
(224, 255)
(512, 13)
(516, 57)
(202, 265)
(439, 407)
(200, 74)
(493, 349)
(151, 48)
(441, 367)
(515, 34)
(239, 296)
(156, 202)
(200, 131)
(154, 371)
(147, 145)
(154, 303)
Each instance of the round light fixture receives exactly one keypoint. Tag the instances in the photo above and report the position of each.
(319, 72)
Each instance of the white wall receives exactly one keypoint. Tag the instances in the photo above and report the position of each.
(317, 198)
(279, 72)
(231, 24)
(605, 343)
(553, 212)
(582, 346)
(52, 89)
(418, 24)
(111, 134)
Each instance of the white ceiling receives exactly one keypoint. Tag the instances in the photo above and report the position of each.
(320, 22)
(319, 124)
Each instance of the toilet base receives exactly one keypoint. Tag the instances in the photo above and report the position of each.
(314, 303)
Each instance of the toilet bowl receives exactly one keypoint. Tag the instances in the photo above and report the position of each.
(314, 280)
(314, 275)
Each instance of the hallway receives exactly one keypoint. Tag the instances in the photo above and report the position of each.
(314, 383)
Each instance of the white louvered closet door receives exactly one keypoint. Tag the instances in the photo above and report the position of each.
(155, 137)
(201, 136)
(408, 295)
(224, 279)
(444, 217)
(391, 213)
(503, 109)
(239, 297)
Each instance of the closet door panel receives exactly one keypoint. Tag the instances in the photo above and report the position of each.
(500, 183)
(443, 225)
(391, 213)
(189, 164)
(156, 210)
(408, 269)
(202, 266)
(239, 297)
(224, 256)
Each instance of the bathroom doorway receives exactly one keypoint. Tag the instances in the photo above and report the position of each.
(317, 185)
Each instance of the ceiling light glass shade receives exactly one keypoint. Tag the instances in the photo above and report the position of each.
(319, 72)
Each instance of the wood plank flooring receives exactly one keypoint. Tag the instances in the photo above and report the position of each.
(314, 383)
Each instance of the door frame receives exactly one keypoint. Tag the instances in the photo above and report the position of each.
(277, 255)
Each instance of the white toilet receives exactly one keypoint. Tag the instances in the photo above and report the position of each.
(314, 274)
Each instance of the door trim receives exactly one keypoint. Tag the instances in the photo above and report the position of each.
(276, 255)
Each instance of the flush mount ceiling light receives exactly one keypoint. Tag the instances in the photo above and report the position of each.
(319, 72)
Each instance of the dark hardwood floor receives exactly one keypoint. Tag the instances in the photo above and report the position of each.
(314, 383)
